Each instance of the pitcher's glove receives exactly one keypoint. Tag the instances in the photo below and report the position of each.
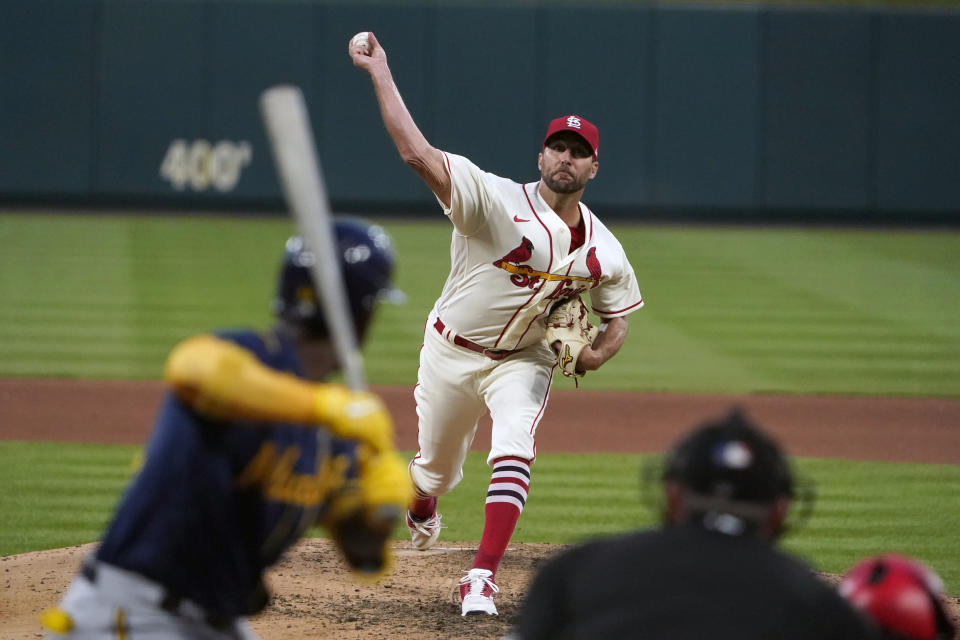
(569, 325)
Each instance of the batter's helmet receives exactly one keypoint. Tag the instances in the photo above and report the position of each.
(366, 261)
(899, 594)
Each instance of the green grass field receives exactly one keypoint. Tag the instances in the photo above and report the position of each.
(728, 310)
(59, 494)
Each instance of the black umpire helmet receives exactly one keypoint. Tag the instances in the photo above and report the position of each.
(730, 472)
(366, 261)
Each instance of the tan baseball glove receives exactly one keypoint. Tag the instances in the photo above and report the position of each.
(569, 324)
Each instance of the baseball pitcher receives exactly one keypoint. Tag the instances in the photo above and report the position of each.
(509, 314)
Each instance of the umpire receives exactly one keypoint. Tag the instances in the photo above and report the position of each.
(710, 571)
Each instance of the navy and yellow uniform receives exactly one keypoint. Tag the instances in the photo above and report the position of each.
(249, 449)
(235, 472)
(215, 503)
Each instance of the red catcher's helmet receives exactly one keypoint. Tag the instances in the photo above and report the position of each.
(900, 595)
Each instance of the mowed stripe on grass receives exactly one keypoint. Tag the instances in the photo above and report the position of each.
(737, 310)
(59, 494)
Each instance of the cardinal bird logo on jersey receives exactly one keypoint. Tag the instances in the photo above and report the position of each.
(593, 265)
(523, 275)
(518, 255)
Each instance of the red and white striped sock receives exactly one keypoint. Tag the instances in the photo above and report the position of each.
(506, 497)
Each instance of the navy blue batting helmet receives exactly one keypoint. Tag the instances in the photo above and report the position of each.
(366, 262)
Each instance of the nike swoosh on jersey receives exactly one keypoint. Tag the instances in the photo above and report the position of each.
(519, 219)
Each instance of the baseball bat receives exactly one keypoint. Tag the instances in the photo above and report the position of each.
(291, 137)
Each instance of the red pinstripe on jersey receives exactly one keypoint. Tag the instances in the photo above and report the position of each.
(601, 312)
(544, 282)
(545, 311)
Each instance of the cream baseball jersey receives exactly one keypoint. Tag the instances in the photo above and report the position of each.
(510, 260)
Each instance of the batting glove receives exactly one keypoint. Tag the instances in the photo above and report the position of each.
(355, 415)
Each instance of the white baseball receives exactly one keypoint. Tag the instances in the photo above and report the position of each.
(361, 41)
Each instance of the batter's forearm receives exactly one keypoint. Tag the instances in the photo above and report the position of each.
(412, 145)
(223, 380)
(606, 345)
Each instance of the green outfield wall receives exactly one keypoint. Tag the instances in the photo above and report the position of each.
(748, 111)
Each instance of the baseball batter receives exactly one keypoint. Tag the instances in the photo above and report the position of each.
(517, 251)
(247, 452)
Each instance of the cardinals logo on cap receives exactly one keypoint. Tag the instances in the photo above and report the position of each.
(579, 125)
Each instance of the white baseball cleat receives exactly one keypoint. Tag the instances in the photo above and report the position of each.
(424, 533)
(476, 593)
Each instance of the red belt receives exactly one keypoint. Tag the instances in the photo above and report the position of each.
(493, 354)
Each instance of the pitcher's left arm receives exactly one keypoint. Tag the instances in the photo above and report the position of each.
(613, 333)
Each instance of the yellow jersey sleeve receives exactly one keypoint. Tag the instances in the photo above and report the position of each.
(223, 380)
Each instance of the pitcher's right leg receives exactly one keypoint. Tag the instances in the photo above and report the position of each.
(448, 408)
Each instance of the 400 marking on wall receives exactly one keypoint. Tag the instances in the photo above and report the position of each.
(200, 165)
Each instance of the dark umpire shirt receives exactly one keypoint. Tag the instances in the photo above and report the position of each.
(683, 583)
(219, 501)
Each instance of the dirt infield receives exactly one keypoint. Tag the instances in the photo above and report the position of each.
(857, 428)
(314, 597)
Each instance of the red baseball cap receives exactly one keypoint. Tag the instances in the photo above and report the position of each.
(579, 126)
